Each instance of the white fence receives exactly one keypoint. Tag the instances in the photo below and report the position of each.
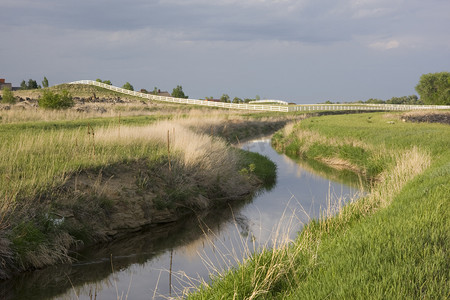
(269, 101)
(281, 108)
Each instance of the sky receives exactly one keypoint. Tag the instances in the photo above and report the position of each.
(302, 51)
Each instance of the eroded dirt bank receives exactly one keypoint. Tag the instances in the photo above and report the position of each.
(427, 117)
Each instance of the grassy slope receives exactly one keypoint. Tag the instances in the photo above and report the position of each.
(400, 251)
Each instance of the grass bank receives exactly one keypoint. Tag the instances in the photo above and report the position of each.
(393, 243)
(142, 170)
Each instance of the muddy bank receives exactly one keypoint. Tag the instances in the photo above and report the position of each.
(427, 117)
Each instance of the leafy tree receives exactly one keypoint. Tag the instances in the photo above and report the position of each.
(45, 82)
(237, 100)
(434, 88)
(225, 98)
(50, 100)
(8, 96)
(128, 86)
(98, 80)
(155, 91)
(23, 85)
(32, 84)
(178, 92)
(374, 101)
(409, 100)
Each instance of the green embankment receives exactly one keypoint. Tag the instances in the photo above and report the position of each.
(392, 244)
(42, 216)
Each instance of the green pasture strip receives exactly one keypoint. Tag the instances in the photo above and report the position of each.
(15, 128)
(398, 252)
(384, 129)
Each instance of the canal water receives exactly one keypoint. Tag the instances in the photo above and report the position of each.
(174, 258)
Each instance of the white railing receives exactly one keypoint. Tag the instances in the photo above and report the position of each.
(269, 101)
(264, 107)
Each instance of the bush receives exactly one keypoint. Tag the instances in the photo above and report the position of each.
(8, 96)
(50, 100)
(128, 86)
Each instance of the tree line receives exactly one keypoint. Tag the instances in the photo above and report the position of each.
(407, 100)
(32, 84)
(433, 89)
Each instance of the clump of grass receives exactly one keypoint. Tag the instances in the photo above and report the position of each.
(8, 96)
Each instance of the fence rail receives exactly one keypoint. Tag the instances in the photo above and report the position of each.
(279, 108)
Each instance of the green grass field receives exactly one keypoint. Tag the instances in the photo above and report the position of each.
(392, 244)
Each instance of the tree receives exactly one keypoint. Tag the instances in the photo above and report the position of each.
(225, 98)
(104, 81)
(45, 82)
(8, 96)
(374, 101)
(23, 85)
(237, 100)
(178, 92)
(32, 84)
(434, 88)
(155, 91)
(128, 86)
(50, 100)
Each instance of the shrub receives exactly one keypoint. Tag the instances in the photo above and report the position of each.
(50, 100)
(8, 96)
(128, 86)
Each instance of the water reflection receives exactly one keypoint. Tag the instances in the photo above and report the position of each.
(171, 259)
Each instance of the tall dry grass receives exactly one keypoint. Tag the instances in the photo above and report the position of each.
(33, 163)
(35, 167)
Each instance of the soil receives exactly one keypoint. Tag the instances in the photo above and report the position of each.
(129, 197)
(427, 117)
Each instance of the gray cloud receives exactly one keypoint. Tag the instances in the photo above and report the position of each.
(271, 45)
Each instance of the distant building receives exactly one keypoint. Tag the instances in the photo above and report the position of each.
(4, 84)
(163, 93)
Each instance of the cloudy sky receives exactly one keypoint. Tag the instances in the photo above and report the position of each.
(303, 51)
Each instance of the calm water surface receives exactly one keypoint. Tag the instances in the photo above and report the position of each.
(168, 260)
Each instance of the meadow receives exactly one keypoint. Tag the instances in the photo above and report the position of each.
(60, 167)
(391, 244)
